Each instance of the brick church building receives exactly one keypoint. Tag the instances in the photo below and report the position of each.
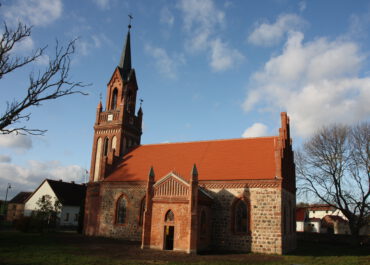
(236, 194)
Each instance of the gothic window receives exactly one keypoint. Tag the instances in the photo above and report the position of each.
(114, 142)
(169, 216)
(129, 99)
(121, 210)
(114, 99)
(97, 159)
(203, 223)
(142, 209)
(240, 217)
(106, 146)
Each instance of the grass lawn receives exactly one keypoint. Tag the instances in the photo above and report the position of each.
(63, 248)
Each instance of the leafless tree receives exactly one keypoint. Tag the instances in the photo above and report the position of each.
(52, 83)
(334, 166)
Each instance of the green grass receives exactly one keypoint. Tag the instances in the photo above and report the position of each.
(62, 249)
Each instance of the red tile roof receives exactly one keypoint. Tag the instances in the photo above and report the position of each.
(21, 197)
(320, 207)
(235, 159)
(300, 214)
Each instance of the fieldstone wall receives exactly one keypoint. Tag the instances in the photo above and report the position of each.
(265, 220)
(130, 230)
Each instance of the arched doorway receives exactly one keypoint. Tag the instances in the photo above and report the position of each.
(169, 230)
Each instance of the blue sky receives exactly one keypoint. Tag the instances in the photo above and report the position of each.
(206, 70)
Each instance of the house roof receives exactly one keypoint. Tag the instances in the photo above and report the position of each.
(68, 193)
(21, 197)
(235, 159)
(300, 214)
(314, 220)
(334, 218)
(320, 207)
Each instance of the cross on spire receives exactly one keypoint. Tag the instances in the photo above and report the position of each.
(130, 17)
(141, 102)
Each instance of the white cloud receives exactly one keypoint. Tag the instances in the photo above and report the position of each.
(316, 82)
(34, 12)
(20, 142)
(24, 45)
(222, 57)
(43, 60)
(256, 130)
(103, 4)
(87, 44)
(266, 34)
(302, 6)
(5, 159)
(202, 20)
(27, 178)
(167, 65)
(166, 17)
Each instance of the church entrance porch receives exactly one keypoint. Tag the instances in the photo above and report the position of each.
(168, 237)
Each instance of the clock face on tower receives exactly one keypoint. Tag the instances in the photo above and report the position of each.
(110, 117)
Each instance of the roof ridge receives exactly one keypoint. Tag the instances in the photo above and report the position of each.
(215, 140)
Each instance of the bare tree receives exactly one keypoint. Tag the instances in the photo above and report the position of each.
(52, 83)
(334, 166)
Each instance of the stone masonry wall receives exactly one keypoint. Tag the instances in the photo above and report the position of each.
(130, 230)
(265, 220)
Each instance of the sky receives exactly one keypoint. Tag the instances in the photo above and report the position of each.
(206, 70)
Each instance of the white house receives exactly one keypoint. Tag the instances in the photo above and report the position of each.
(301, 216)
(322, 210)
(70, 195)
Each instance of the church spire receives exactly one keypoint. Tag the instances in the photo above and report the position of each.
(125, 60)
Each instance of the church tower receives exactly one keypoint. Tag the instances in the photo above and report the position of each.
(117, 129)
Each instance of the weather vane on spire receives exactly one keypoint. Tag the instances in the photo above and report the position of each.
(130, 17)
(100, 96)
(141, 102)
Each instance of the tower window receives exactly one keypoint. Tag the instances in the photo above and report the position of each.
(114, 99)
(106, 146)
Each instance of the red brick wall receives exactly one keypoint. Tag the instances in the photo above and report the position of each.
(181, 224)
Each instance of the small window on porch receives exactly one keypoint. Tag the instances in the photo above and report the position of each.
(169, 216)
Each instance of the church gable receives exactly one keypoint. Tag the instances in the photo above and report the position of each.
(171, 186)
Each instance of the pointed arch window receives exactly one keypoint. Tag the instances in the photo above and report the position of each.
(121, 210)
(114, 98)
(97, 159)
(241, 217)
(169, 216)
(106, 146)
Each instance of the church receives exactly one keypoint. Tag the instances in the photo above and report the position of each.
(229, 195)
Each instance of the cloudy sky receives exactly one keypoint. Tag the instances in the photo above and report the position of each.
(206, 69)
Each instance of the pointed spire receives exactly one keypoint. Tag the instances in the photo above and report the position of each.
(194, 172)
(151, 174)
(125, 60)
